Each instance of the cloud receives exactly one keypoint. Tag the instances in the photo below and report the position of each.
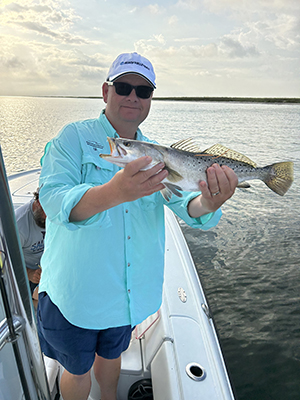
(216, 44)
(282, 31)
(187, 40)
(155, 9)
(30, 65)
(11, 62)
(245, 6)
(160, 39)
(19, 8)
(80, 58)
(234, 48)
(173, 20)
(41, 47)
(200, 52)
(41, 18)
(149, 9)
(228, 47)
(64, 37)
(189, 4)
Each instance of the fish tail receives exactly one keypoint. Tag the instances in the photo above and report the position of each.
(280, 176)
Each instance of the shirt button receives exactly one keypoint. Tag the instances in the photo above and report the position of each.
(128, 290)
(128, 265)
(128, 237)
(126, 211)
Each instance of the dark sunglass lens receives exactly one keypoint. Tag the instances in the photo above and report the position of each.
(144, 92)
(122, 88)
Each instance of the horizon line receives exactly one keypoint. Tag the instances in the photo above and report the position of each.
(185, 98)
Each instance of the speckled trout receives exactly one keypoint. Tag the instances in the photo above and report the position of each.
(187, 165)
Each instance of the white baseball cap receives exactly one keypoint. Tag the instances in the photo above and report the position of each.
(132, 63)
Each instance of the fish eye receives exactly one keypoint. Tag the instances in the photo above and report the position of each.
(127, 144)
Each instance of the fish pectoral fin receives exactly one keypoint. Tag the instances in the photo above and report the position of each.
(175, 189)
(218, 150)
(173, 176)
(186, 145)
(166, 193)
(169, 190)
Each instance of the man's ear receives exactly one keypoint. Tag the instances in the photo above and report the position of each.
(105, 91)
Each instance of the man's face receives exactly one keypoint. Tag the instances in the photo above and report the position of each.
(39, 215)
(126, 109)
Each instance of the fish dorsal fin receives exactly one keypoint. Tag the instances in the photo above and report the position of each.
(218, 150)
(186, 145)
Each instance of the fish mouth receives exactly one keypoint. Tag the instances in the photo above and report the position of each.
(111, 144)
(116, 150)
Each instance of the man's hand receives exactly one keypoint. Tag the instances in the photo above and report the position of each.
(220, 186)
(132, 183)
(128, 184)
(34, 275)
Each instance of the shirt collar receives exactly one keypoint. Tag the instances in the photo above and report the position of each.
(108, 128)
(111, 132)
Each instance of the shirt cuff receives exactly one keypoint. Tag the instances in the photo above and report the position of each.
(70, 200)
(204, 222)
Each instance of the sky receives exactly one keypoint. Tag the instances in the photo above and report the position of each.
(228, 48)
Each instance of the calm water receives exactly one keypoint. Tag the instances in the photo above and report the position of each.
(248, 264)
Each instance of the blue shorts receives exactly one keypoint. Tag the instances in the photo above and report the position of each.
(74, 347)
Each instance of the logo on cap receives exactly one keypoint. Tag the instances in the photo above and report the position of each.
(135, 62)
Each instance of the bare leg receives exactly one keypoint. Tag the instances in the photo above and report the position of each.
(75, 387)
(107, 375)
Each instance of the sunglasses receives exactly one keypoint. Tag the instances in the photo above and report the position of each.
(124, 89)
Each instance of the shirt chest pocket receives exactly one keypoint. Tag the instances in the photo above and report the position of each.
(96, 172)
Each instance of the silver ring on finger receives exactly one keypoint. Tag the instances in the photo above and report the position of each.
(215, 194)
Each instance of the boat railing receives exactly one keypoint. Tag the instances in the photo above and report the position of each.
(19, 345)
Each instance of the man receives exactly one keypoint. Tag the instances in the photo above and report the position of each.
(104, 253)
(31, 225)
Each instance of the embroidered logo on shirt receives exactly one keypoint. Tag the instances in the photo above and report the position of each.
(94, 145)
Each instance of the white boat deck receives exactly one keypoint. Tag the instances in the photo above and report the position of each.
(177, 349)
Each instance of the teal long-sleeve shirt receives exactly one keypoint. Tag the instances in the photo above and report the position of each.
(108, 270)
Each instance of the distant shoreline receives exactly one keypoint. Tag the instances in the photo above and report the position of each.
(233, 99)
(275, 100)
(280, 100)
